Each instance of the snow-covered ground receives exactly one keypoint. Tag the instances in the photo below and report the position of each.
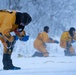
(43, 66)
(55, 64)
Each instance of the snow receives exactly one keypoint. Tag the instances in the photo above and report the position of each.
(60, 17)
(46, 66)
(55, 64)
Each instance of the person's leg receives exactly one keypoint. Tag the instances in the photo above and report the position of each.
(37, 53)
(72, 51)
(42, 52)
(7, 61)
(67, 52)
(69, 49)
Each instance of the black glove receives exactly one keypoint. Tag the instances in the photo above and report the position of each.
(10, 45)
(72, 41)
(55, 41)
(50, 38)
(15, 37)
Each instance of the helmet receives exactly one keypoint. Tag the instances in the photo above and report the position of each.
(26, 18)
(22, 19)
(71, 31)
(46, 29)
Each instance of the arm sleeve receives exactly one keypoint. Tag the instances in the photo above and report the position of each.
(46, 38)
(6, 27)
(65, 37)
(75, 36)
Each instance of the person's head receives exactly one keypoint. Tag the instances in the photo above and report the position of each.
(72, 31)
(46, 29)
(22, 19)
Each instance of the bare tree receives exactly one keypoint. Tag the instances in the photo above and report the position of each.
(14, 4)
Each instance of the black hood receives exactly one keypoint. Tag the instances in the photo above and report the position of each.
(23, 18)
(46, 28)
(71, 31)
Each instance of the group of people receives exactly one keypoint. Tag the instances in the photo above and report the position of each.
(66, 40)
(15, 22)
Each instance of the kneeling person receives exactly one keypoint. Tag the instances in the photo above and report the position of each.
(40, 41)
(65, 41)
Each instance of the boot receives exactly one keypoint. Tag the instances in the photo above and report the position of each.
(74, 54)
(7, 62)
(39, 54)
(46, 54)
(15, 68)
(67, 53)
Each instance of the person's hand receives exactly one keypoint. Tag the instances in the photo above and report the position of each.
(50, 38)
(72, 41)
(55, 41)
(24, 38)
(15, 37)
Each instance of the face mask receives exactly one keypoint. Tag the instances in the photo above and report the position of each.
(21, 27)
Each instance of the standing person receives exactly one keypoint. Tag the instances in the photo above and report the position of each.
(66, 39)
(9, 22)
(40, 42)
